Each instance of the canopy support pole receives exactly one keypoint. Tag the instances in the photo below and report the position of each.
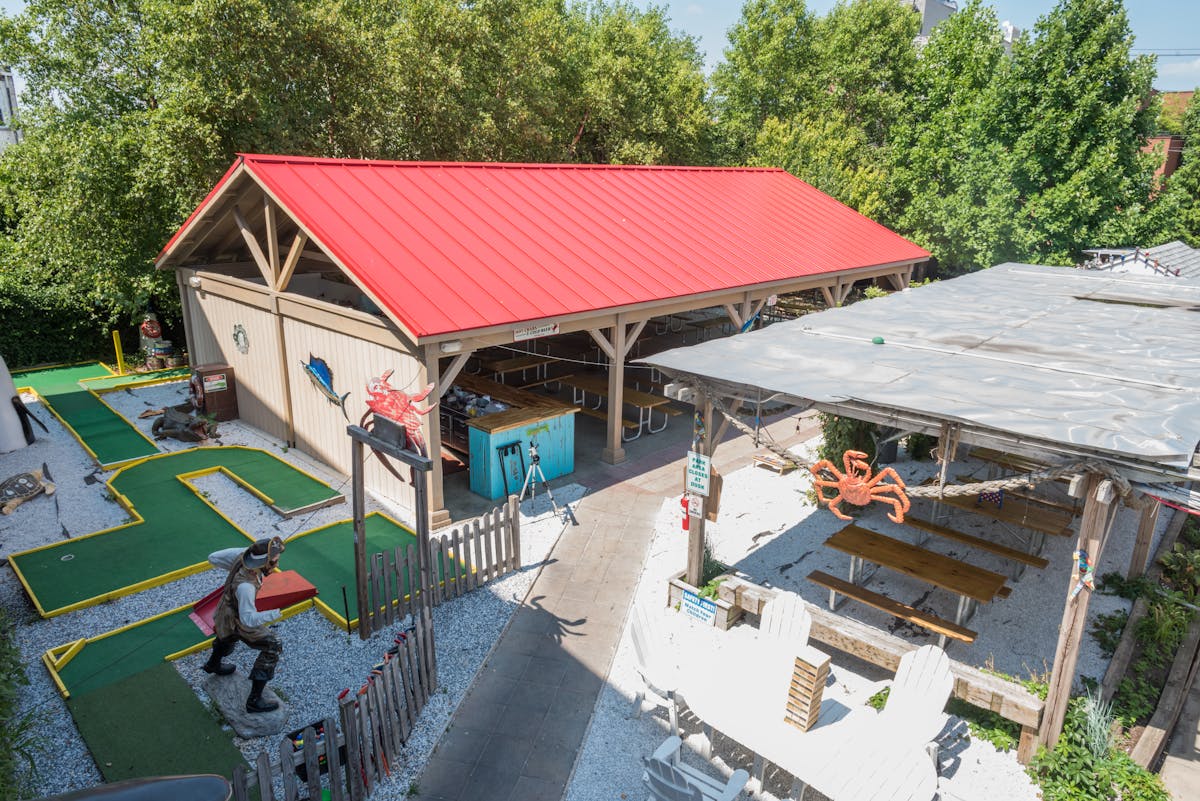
(1092, 529)
(1145, 533)
(696, 517)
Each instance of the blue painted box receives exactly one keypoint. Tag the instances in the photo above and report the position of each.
(494, 477)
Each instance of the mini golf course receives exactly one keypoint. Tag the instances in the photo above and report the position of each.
(173, 530)
(152, 724)
(106, 435)
(324, 556)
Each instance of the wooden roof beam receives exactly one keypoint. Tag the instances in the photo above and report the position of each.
(255, 250)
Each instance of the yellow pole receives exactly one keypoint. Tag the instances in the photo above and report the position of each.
(120, 354)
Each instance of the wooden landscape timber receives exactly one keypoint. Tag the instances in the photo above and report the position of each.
(1153, 739)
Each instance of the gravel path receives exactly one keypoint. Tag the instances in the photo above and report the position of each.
(319, 660)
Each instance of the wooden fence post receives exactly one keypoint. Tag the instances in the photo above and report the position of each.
(514, 529)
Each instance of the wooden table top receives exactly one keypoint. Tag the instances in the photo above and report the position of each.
(911, 560)
(599, 386)
(527, 407)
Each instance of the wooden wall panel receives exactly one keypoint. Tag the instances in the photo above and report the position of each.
(259, 381)
(320, 426)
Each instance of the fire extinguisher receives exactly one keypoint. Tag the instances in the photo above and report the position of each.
(683, 501)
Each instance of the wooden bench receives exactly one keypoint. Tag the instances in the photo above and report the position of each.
(603, 415)
(894, 608)
(543, 381)
(1018, 511)
(976, 542)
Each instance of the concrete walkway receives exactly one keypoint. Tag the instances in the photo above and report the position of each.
(517, 733)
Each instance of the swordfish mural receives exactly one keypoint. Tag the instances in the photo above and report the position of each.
(322, 378)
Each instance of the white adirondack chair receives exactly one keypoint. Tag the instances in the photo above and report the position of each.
(656, 665)
(668, 779)
(892, 753)
(786, 618)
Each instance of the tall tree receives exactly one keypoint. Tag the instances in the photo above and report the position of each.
(948, 171)
(1176, 214)
(768, 71)
(135, 107)
(1073, 112)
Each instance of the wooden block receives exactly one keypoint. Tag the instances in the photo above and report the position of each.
(283, 588)
(809, 673)
(774, 462)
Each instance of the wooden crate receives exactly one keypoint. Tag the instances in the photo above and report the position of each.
(808, 685)
(775, 462)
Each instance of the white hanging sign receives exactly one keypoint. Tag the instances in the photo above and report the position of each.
(698, 468)
(535, 331)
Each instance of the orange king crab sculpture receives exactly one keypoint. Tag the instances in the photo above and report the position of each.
(858, 486)
(399, 407)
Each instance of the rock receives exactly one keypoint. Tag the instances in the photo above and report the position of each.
(229, 693)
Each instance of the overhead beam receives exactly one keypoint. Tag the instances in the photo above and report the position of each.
(293, 258)
(451, 373)
(252, 242)
(270, 218)
(632, 334)
(827, 293)
(603, 342)
(734, 316)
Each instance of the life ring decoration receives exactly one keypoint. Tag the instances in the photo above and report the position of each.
(150, 328)
(241, 339)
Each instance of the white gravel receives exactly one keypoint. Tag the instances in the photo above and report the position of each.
(319, 660)
(768, 529)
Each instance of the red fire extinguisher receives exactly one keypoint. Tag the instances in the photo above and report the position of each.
(683, 501)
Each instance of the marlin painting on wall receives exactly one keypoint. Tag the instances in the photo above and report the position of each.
(322, 378)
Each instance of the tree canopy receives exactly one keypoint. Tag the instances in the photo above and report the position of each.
(134, 108)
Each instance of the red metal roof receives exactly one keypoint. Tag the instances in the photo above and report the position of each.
(453, 246)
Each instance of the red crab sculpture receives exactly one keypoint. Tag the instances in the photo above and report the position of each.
(400, 407)
(859, 487)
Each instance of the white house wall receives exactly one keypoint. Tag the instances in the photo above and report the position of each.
(259, 383)
(320, 426)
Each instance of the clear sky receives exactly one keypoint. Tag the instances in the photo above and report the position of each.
(1168, 25)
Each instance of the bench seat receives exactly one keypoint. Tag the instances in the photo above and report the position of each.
(601, 414)
(893, 607)
(976, 542)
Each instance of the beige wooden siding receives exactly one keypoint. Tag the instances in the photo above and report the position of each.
(320, 426)
(259, 381)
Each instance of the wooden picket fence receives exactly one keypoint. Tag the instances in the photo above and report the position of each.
(460, 560)
(368, 736)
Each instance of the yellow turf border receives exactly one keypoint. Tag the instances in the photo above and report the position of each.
(127, 505)
(96, 394)
(56, 658)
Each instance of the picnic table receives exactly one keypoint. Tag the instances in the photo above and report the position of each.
(499, 367)
(973, 585)
(646, 404)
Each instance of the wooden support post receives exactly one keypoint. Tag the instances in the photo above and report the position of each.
(1071, 631)
(270, 219)
(284, 379)
(613, 452)
(293, 258)
(695, 562)
(433, 438)
(358, 501)
(1145, 534)
(827, 294)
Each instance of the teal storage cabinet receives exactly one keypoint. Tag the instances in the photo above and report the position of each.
(494, 476)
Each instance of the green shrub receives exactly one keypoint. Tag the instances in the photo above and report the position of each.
(920, 446)
(19, 740)
(841, 434)
(1074, 771)
(1107, 630)
(50, 325)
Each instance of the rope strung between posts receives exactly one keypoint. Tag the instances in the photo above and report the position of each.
(1029, 480)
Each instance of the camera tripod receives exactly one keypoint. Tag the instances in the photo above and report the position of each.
(533, 472)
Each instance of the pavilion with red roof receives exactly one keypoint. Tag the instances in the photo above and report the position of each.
(421, 267)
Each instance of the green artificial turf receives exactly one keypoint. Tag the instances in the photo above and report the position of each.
(137, 379)
(152, 724)
(179, 530)
(111, 438)
(108, 660)
(326, 557)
